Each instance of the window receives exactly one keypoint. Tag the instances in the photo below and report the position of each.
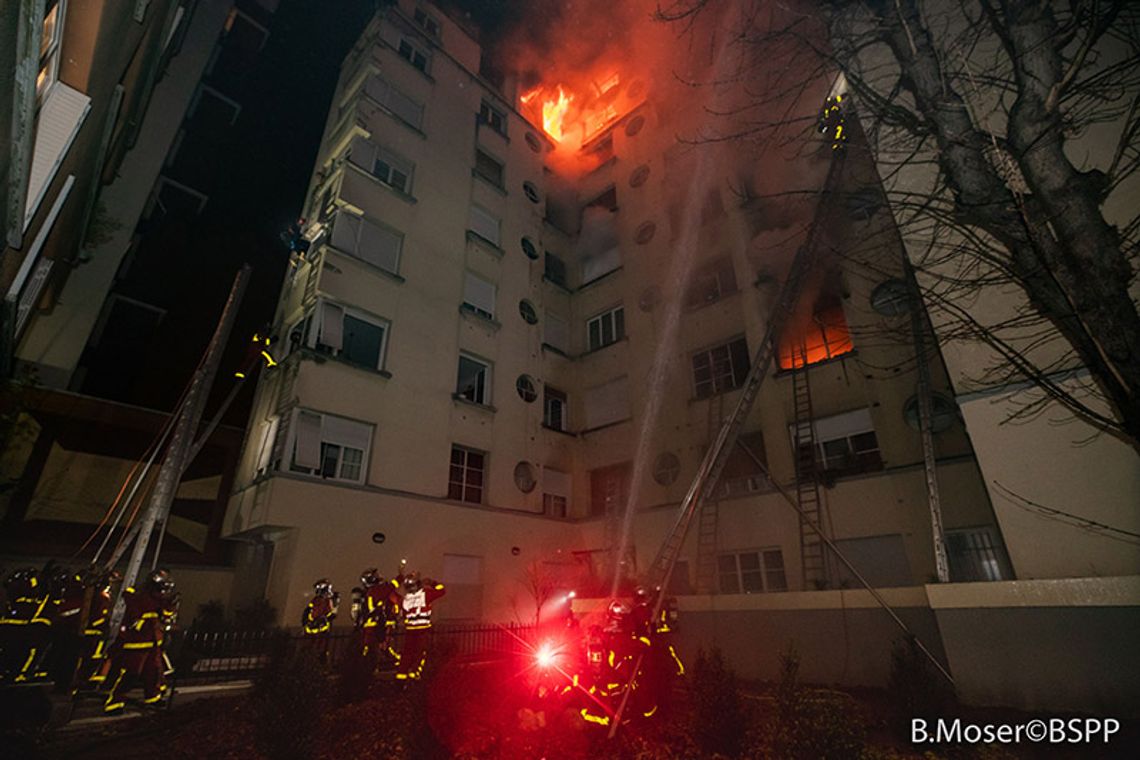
(524, 385)
(711, 283)
(607, 403)
(721, 368)
(465, 476)
(531, 192)
(554, 408)
(474, 381)
(484, 224)
(604, 150)
(489, 168)
(556, 333)
(741, 473)
(390, 168)
(479, 296)
(414, 54)
(330, 447)
(607, 200)
(846, 443)
(975, 554)
(493, 118)
(51, 32)
(666, 468)
(404, 107)
(351, 336)
(367, 241)
(822, 336)
(528, 312)
(555, 493)
(554, 269)
(609, 489)
(529, 248)
(426, 21)
(605, 329)
(752, 572)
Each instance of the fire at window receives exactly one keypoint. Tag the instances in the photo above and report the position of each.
(816, 338)
(574, 113)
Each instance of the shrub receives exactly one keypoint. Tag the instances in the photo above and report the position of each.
(718, 714)
(257, 616)
(916, 689)
(289, 699)
(211, 617)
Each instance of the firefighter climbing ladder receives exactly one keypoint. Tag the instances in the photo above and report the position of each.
(813, 559)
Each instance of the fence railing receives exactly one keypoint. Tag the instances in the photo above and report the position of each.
(201, 657)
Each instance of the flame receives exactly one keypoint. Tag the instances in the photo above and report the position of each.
(554, 111)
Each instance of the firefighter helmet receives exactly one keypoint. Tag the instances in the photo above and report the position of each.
(371, 577)
(24, 576)
(324, 588)
(641, 595)
(412, 582)
(161, 584)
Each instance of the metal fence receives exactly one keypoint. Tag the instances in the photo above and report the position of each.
(215, 656)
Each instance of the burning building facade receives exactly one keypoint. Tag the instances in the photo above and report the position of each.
(528, 304)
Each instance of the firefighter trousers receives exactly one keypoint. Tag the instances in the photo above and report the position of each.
(22, 651)
(129, 664)
(413, 655)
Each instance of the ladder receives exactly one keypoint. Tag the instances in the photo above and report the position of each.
(812, 555)
(708, 474)
(707, 523)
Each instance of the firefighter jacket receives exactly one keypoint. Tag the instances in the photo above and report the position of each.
(381, 605)
(416, 605)
(318, 615)
(28, 604)
(142, 626)
(67, 604)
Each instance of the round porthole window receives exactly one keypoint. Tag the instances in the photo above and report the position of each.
(529, 248)
(891, 298)
(666, 468)
(531, 192)
(645, 232)
(636, 124)
(942, 413)
(639, 176)
(533, 142)
(525, 386)
(528, 312)
(525, 478)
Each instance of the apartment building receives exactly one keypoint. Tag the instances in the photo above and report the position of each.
(486, 355)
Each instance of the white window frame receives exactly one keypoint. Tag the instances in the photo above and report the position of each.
(308, 423)
(501, 183)
(717, 382)
(482, 397)
(328, 336)
(463, 486)
(610, 315)
(763, 571)
(48, 58)
(563, 403)
(365, 155)
(556, 487)
(842, 427)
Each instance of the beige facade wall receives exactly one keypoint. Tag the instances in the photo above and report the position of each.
(324, 528)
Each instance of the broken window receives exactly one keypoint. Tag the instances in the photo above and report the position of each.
(816, 338)
(721, 368)
(609, 488)
(465, 475)
(711, 283)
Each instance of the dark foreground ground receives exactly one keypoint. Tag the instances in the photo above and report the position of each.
(488, 711)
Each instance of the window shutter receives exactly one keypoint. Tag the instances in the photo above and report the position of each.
(265, 455)
(556, 482)
(405, 107)
(607, 403)
(379, 246)
(377, 89)
(555, 333)
(346, 232)
(346, 432)
(484, 224)
(479, 293)
(332, 325)
(307, 447)
(362, 153)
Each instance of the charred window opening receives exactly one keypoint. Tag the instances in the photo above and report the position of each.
(554, 269)
(711, 282)
(607, 200)
(819, 336)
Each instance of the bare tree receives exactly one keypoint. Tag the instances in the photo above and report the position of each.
(540, 584)
(1007, 134)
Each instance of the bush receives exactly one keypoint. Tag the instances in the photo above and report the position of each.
(290, 697)
(257, 616)
(811, 723)
(718, 714)
(211, 617)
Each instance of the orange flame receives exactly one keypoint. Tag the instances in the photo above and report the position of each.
(554, 111)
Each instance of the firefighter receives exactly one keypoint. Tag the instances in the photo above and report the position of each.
(66, 605)
(318, 617)
(378, 616)
(415, 603)
(25, 627)
(91, 670)
(137, 651)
